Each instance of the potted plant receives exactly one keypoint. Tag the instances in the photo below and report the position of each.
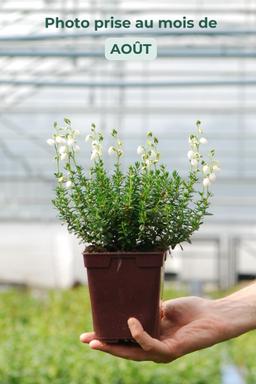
(128, 220)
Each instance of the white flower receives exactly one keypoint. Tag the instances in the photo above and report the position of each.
(193, 141)
(140, 150)
(191, 154)
(120, 153)
(94, 155)
(88, 138)
(60, 140)
(212, 177)
(68, 184)
(206, 169)
(216, 168)
(147, 162)
(95, 144)
(61, 179)
(63, 156)
(153, 154)
(206, 182)
(111, 150)
(50, 142)
(62, 149)
(203, 140)
(70, 141)
(76, 148)
(194, 162)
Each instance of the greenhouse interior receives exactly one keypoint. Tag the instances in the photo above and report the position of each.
(51, 74)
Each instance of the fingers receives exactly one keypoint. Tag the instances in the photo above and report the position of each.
(151, 349)
(87, 337)
(143, 339)
(125, 352)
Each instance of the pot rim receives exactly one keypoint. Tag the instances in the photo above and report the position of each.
(123, 253)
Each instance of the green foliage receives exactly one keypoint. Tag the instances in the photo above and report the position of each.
(134, 211)
(39, 344)
(242, 352)
(144, 208)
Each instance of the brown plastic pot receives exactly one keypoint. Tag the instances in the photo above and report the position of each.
(123, 285)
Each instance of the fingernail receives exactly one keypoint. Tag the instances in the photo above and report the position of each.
(82, 336)
(94, 344)
(131, 321)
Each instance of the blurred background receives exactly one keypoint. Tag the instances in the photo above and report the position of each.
(46, 75)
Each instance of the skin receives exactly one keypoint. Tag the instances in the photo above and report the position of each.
(187, 324)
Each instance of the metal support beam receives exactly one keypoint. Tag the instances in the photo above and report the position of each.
(162, 10)
(154, 33)
(128, 110)
(130, 84)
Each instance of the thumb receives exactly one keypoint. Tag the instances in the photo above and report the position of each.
(146, 342)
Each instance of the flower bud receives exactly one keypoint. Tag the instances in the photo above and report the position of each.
(68, 184)
(206, 169)
(194, 162)
(206, 182)
(70, 141)
(190, 155)
(140, 150)
(62, 149)
(111, 151)
(216, 168)
(63, 156)
(60, 140)
(94, 155)
(212, 177)
(95, 144)
(203, 140)
(50, 142)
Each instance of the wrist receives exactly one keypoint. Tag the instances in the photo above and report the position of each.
(237, 313)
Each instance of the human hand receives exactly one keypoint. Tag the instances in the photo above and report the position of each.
(187, 324)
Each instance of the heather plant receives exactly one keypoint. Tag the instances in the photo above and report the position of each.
(145, 207)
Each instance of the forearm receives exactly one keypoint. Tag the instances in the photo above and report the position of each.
(238, 311)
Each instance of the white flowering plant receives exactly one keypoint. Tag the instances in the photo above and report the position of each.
(143, 208)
